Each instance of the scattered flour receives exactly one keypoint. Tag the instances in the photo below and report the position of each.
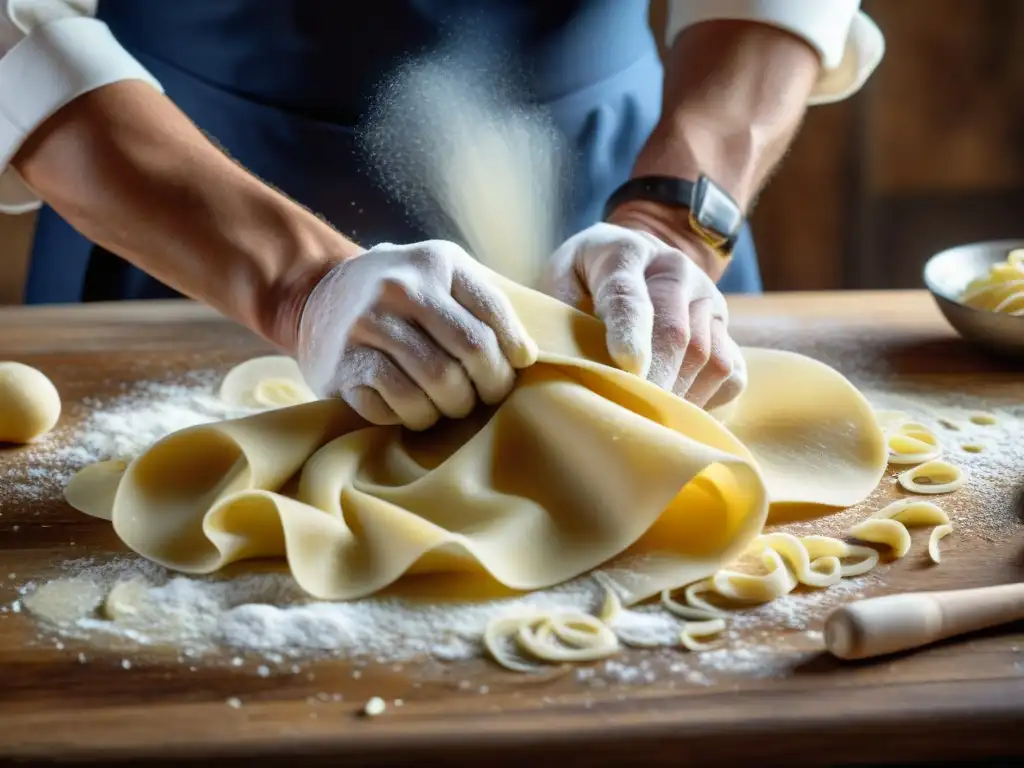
(266, 616)
(119, 429)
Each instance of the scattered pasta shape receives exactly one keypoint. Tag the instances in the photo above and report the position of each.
(912, 512)
(891, 533)
(748, 588)
(972, 447)
(549, 637)
(952, 426)
(984, 419)
(889, 525)
(912, 443)
(938, 533)
(823, 571)
(612, 605)
(695, 608)
(1001, 289)
(825, 546)
(694, 630)
(943, 477)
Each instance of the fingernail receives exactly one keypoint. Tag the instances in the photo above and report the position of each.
(525, 353)
(631, 360)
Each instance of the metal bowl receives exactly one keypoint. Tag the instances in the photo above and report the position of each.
(947, 274)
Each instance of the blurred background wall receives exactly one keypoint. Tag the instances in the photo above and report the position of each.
(928, 155)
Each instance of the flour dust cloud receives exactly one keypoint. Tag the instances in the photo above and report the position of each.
(457, 143)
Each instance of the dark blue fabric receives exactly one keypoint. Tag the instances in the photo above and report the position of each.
(280, 85)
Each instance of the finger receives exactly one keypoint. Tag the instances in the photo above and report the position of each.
(371, 406)
(717, 369)
(430, 367)
(491, 307)
(469, 341)
(622, 302)
(735, 385)
(374, 369)
(698, 349)
(670, 333)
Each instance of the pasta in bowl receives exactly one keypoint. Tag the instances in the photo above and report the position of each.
(980, 290)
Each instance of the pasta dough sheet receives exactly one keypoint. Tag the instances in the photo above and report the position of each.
(582, 467)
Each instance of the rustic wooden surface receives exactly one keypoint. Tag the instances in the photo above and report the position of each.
(957, 700)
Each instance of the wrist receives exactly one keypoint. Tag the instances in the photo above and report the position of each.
(671, 225)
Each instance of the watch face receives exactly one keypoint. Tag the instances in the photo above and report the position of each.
(714, 211)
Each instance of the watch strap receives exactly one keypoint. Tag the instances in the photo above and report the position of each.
(713, 215)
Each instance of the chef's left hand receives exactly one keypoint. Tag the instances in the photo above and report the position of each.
(665, 318)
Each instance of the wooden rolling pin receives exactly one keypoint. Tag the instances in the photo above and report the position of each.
(881, 625)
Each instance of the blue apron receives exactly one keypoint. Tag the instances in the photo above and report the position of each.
(280, 85)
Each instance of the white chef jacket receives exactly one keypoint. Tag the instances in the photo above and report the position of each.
(52, 51)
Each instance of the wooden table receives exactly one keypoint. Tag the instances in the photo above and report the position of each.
(953, 701)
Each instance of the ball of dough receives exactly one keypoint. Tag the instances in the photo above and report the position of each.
(29, 403)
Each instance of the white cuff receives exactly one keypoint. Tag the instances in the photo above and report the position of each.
(55, 64)
(849, 43)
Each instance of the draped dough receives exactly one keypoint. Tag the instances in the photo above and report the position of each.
(583, 466)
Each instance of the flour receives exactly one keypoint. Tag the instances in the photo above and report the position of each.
(266, 617)
(121, 428)
(264, 622)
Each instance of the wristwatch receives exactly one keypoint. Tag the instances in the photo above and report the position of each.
(714, 216)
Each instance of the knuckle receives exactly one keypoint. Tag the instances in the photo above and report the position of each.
(720, 364)
(426, 258)
(675, 334)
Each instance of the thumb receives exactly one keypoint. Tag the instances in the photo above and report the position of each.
(622, 302)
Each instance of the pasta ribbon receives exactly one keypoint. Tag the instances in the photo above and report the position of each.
(747, 588)
(551, 637)
(888, 525)
(913, 512)
(694, 630)
(912, 443)
(1001, 289)
(826, 546)
(822, 571)
(938, 533)
(943, 477)
(891, 533)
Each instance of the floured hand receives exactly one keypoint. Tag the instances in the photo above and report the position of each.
(666, 320)
(408, 333)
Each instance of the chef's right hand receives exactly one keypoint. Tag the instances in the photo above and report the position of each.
(406, 334)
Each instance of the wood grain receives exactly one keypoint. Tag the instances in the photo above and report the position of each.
(956, 700)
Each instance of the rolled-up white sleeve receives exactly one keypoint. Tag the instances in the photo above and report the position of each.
(51, 52)
(849, 43)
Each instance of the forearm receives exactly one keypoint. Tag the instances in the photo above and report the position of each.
(735, 94)
(127, 169)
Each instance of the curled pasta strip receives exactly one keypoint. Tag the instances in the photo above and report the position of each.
(567, 637)
(551, 637)
(822, 571)
(913, 512)
(891, 533)
(913, 443)
(695, 608)
(693, 630)
(888, 525)
(748, 588)
(937, 534)
(611, 607)
(865, 558)
(944, 476)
